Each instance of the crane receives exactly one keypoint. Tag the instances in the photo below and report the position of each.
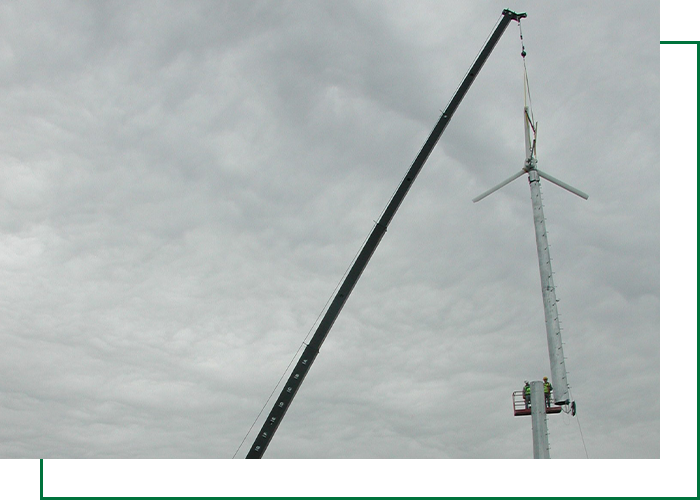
(311, 350)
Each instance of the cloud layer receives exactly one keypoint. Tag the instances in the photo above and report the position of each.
(183, 186)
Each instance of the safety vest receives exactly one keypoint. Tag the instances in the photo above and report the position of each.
(547, 387)
(527, 390)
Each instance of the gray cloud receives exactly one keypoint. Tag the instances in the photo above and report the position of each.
(183, 185)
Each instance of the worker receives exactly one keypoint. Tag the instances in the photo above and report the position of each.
(547, 391)
(526, 394)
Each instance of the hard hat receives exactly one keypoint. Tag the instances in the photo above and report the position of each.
(544, 378)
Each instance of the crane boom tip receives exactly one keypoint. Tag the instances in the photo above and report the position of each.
(514, 15)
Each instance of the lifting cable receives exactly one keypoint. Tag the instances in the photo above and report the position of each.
(526, 82)
(575, 415)
(527, 98)
(582, 440)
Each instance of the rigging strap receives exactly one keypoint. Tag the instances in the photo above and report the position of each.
(526, 83)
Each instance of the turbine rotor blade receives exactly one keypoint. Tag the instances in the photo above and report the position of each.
(563, 184)
(499, 186)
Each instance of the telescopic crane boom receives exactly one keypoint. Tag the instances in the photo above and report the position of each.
(311, 351)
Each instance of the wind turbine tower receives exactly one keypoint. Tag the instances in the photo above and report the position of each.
(556, 354)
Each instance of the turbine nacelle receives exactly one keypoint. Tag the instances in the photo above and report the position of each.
(530, 164)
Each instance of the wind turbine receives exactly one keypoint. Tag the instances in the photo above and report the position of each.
(556, 353)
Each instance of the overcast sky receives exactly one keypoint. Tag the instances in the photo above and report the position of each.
(184, 184)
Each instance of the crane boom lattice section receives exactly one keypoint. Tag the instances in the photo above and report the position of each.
(311, 351)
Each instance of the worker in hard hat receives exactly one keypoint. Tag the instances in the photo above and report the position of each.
(547, 391)
(526, 394)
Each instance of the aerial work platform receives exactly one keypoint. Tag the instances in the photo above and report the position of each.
(521, 408)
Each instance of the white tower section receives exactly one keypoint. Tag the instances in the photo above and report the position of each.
(559, 381)
(557, 367)
(540, 441)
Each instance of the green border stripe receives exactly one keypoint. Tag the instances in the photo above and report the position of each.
(679, 56)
